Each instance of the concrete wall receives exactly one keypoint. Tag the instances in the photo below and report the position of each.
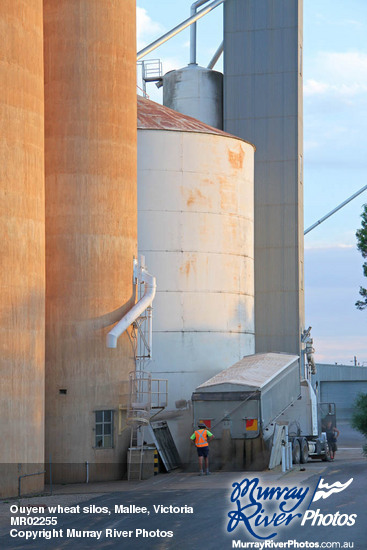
(22, 228)
(340, 384)
(91, 225)
(263, 103)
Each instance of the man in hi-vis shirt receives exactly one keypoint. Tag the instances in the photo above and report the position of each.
(200, 437)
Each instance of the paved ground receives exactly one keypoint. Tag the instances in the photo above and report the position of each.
(209, 498)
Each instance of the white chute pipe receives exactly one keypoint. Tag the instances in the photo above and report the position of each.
(131, 316)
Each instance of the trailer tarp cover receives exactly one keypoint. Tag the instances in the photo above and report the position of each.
(253, 371)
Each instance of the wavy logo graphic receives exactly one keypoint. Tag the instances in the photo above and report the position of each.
(324, 490)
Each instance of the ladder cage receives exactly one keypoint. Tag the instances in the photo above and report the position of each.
(140, 397)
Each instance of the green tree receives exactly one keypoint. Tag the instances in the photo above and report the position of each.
(361, 235)
(359, 417)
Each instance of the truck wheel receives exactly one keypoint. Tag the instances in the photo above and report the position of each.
(296, 451)
(304, 450)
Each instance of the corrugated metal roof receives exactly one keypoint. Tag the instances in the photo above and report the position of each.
(253, 370)
(153, 116)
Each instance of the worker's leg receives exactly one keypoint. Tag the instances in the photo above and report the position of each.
(207, 460)
(201, 460)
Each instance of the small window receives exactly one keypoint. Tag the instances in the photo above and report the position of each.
(104, 429)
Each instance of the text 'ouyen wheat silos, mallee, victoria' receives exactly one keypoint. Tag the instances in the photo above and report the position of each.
(22, 246)
(91, 229)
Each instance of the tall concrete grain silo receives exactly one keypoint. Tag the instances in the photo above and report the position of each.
(263, 103)
(22, 220)
(91, 230)
(195, 228)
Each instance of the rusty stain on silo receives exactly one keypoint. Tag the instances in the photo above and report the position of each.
(195, 196)
(188, 266)
(236, 157)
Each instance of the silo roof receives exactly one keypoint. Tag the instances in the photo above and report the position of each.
(153, 116)
(254, 370)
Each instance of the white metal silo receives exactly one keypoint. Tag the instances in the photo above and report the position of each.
(195, 228)
(195, 91)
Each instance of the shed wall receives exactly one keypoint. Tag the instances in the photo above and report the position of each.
(340, 384)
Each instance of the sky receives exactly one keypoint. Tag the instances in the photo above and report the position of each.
(335, 152)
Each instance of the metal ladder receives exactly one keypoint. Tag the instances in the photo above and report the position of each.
(139, 410)
(136, 453)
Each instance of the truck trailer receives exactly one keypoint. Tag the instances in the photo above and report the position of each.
(242, 404)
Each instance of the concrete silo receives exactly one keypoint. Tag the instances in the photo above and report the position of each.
(195, 228)
(91, 230)
(22, 219)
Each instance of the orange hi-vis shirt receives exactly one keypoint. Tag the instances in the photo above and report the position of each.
(201, 437)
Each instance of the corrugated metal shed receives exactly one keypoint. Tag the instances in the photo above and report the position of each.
(340, 384)
(153, 116)
(254, 370)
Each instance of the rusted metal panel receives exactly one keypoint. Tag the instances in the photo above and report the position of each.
(153, 116)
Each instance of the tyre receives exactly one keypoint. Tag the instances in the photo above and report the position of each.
(326, 457)
(296, 451)
(304, 450)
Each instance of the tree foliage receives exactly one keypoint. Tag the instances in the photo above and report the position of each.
(359, 417)
(361, 235)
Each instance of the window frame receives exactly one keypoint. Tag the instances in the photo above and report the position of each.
(104, 433)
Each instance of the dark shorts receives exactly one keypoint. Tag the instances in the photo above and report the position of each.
(332, 445)
(203, 451)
